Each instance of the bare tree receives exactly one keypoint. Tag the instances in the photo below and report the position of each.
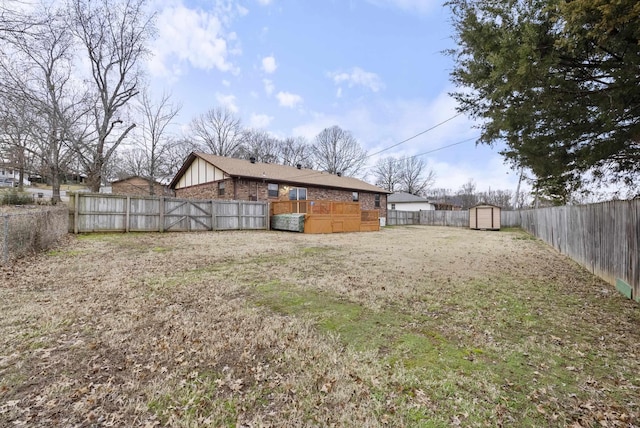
(501, 198)
(16, 124)
(114, 35)
(153, 145)
(387, 173)
(337, 151)
(414, 178)
(441, 195)
(259, 145)
(295, 151)
(13, 21)
(36, 68)
(218, 131)
(467, 195)
(177, 154)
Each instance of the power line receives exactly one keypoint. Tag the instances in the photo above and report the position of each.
(443, 147)
(402, 142)
(415, 136)
(431, 151)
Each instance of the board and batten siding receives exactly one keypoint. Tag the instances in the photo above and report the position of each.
(200, 172)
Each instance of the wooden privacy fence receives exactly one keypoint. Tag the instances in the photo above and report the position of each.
(97, 212)
(428, 217)
(603, 237)
(330, 216)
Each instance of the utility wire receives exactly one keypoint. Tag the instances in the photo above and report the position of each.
(415, 136)
(397, 144)
(443, 147)
(431, 151)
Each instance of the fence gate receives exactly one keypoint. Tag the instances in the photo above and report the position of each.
(184, 215)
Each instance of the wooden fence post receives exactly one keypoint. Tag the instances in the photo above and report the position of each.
(214, 226)
(240, 215)
(5, 243)
(161, 215)
(76, 212)
(266, 216)
(127, 213)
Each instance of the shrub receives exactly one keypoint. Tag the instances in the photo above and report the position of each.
(14, 197)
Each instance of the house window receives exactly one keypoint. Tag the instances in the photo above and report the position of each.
(376, 203)
(393, 206)
(297, 194)
(221, 188)
(354, 196)
(273, 190)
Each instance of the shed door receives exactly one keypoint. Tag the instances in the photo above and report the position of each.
(485, 218)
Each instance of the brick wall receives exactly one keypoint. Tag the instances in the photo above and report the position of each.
(139, 187)
(246, 190)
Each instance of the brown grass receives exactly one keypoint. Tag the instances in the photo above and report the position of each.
(410, 326)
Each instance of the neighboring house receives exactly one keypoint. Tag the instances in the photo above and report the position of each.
(215, 177)
(9, 176)
(402, 201)
(140, 186)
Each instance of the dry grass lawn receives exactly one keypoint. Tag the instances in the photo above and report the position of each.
(410, 326)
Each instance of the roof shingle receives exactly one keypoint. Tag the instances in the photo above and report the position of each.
(279, 173)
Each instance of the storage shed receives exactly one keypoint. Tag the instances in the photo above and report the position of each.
(484, 217)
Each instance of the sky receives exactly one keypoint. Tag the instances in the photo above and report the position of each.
(294, 67)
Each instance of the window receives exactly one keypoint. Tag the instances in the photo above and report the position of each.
(297, 194)
(221, 188)
(272, 190)
(354, 196)
(377, 201)
(393, 206)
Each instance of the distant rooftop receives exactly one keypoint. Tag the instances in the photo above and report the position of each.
(399, 197)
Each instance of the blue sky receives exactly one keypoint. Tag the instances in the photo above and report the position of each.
(292, 68)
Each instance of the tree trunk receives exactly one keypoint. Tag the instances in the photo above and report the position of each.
(55, 185)
(94, 178)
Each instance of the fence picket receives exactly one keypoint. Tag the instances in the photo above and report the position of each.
(113, 213)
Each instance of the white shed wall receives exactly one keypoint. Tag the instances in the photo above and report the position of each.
(411, 206)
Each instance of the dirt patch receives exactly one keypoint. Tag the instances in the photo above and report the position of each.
(407, 326)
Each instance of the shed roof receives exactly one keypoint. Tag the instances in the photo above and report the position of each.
(482, 204)
(274, 172)
(399, 197)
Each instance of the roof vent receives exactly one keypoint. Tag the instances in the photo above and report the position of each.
(299, 165)
(252, 159)
(339, 174)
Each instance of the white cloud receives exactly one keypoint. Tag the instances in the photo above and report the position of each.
(287, 99)
(382, 124)
(264, 2)
(228, 101)
(226, 83)
(358, 77)
(269, 87)
(260, 120)
(269, 64)
(486, 173)
(242, 11)
(190, 37)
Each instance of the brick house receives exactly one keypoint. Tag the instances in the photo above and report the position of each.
(207, 176)
(140, 186)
